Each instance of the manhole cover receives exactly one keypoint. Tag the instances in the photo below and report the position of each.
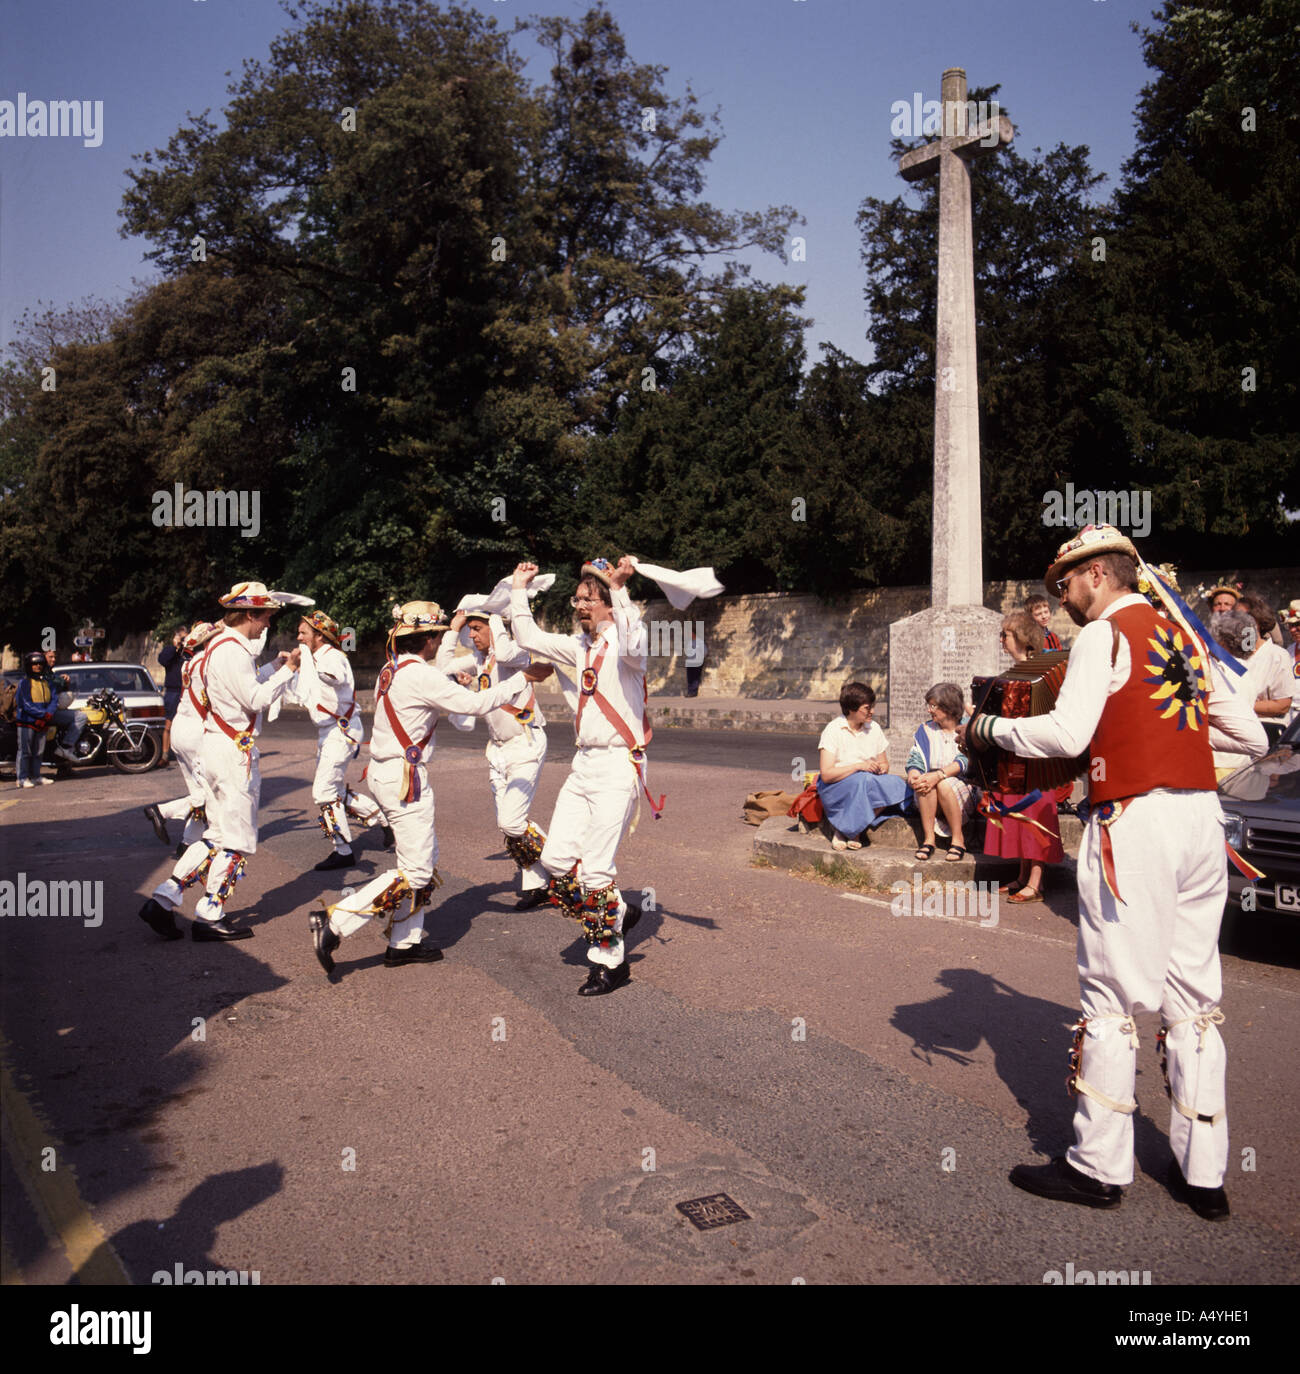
(704, 1213)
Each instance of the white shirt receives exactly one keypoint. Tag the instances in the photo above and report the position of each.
(324, 678)
(501, 725)
(622, 674)
(237, 690)
(417, 694)
(1268, 669)
(1068, 728)
(847, 745)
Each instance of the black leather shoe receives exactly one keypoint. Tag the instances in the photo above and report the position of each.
(1210, 1203)
(389, 839)
(220, 930)
(335, 861)
(155, 819)
(1062, 1182)
(537, 896)
(161, 920)
(602, 980)
(415, 954)
(325, 940)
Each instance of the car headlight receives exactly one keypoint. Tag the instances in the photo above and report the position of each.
(1233, 829)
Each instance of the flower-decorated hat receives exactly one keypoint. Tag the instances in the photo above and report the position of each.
(1090, 541)
(419, 617)
(1290, 616)
(416, 618)
(199, 634)
(324, 625)
(253, 596)
(599, 568)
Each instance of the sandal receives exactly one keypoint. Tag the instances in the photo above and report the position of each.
(1026, 894)
(925, 853)
(1006, 889)
(839, 844)
(955, 854)
(854, 844)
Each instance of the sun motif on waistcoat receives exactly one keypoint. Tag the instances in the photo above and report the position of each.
(1177, 672)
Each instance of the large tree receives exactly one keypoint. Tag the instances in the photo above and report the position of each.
(496, 266)
(1199, 306)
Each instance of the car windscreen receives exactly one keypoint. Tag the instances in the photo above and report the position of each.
(117, 677)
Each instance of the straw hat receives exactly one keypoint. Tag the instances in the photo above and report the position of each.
(1090, 541)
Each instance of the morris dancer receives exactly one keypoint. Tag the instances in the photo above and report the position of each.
(516, 741)
(235, 692)
(1152, 874)
(325, 686)
(602, 675)
(409, 694)
(186, 741)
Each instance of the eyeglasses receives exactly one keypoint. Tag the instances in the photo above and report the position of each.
(1064, 582)
(579, 601)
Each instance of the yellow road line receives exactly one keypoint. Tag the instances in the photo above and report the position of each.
(4, 806)
(55, 1195)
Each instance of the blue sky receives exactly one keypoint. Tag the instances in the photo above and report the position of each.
(803, 89)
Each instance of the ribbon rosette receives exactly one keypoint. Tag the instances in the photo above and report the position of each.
(484, 682)
(589, 681)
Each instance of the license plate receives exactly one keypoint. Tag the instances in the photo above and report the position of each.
(1287, 896)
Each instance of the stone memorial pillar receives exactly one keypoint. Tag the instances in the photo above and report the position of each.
(957, 637)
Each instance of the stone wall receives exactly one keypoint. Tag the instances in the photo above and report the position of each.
(782, 645)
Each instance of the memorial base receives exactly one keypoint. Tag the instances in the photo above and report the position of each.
(951, 645)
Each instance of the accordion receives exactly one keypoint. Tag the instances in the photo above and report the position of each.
(1028, 688)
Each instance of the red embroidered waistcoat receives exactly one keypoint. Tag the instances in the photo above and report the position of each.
(1154, 732)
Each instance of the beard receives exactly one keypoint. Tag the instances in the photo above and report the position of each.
(1076, 615)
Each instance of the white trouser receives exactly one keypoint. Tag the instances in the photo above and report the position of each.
(335, 749)
(514, 768)
(594, 811)
(234, 784)
(187, 740)
(1156, 951)
(416, 850)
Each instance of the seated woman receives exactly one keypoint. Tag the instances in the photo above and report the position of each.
(1019, 836)
(934, 772)
(855, 782)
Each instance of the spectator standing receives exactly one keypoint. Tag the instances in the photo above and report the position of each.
(1040, 609)
(171, 658)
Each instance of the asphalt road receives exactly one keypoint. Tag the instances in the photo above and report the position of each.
(858, 1083)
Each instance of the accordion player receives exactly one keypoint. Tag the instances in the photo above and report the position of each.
(1027, 688)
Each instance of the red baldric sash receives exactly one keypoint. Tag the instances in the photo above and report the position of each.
(523, 714)
(636, 752)
(411, 753)
(243, 738)
(187, 674)
(342, 720)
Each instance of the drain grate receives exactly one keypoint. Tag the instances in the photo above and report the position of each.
(706, 1213)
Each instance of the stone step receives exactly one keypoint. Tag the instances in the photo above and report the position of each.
(904, 832)
(889, 857)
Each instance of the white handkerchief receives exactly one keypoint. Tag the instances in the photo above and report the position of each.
(681, 588)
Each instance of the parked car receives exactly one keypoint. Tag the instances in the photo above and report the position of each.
(1261, 803)
(143, 715)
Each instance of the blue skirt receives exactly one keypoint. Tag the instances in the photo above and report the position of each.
(852, 804)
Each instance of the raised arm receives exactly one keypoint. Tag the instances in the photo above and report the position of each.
(561, 650)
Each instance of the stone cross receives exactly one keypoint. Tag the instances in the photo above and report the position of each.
(957, 565)
(956, 637)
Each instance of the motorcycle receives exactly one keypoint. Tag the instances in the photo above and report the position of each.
(130, 746)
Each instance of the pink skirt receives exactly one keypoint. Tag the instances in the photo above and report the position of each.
(1020, 840)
